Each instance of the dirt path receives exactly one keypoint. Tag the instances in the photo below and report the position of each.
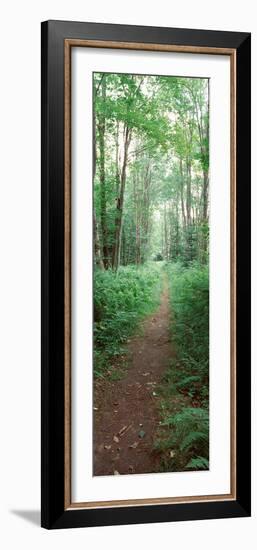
(126, 414)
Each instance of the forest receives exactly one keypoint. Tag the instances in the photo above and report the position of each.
(151, 281)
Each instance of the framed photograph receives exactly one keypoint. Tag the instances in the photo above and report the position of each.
(145, 274)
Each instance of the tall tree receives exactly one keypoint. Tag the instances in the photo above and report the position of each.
(151, 168)
(120, 201)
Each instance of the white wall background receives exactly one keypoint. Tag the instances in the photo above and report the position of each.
(20, 273)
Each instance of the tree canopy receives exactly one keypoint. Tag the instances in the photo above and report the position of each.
(151, 169)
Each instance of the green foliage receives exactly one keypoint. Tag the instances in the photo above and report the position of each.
(120, 301)
(162, 201)
(198, 463)
(158, 257)
(186, 427)
(190, 307)
(151, 200)
(190, 429)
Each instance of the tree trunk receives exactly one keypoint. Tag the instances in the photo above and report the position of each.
(182, 192)
(188, 193)
(103, 216)
(97, 249)
(145, 213)
(205, 171)
(205, 195)
(117, 158)
(138, 236)
(165, 234)
(120, 201)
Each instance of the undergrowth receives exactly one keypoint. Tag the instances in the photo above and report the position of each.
(121, 300)
(183, 438)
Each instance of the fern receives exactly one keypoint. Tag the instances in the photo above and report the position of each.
(187, 381)
(189, 432)
(190, 416)
(120, 301)
(189, 288)
(186, 431)
(198, 463)
(194, 439)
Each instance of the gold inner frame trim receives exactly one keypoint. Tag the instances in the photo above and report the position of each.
(68, 44)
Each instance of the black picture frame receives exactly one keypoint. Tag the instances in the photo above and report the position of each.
(54, 514)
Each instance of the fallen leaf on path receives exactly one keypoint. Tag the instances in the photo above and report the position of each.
(146, 373)
(124, 430)
(134, 445)
(115, 439)
(95, 408)
(107, 447)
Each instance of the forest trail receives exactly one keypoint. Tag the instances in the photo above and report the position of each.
(126, 414)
